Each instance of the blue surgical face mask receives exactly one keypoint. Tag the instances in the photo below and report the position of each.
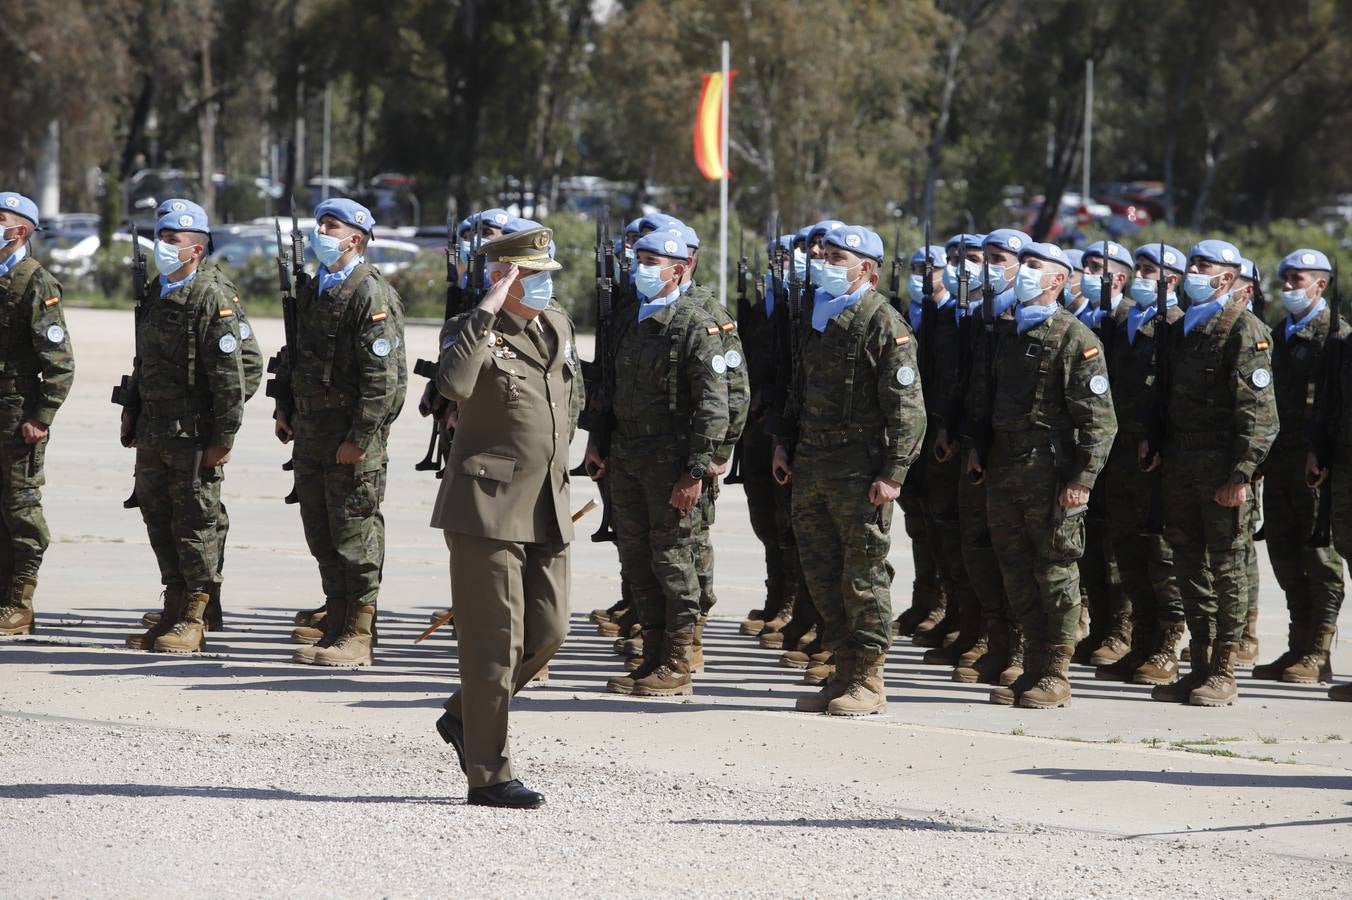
(1091, 286)
(537, 290)
(464, 253)
(915, 287)
(1198, 287)
(973, 277)
(799, 264)
(1144, 291)
(1028, 284)
(1296, 301)
(816, 266)
(648, 281)
(167, 259)
(835, 280)
(999, 280)
(327, 247)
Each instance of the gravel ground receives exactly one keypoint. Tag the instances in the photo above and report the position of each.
(160, 811)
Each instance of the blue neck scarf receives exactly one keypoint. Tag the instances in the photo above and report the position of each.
(167, 286)
(14, 259)
(1136, 316)
(825, 307)
(1030, 315)
(1294, 327)
(1201, 313)
(649, 307)
(329, 279)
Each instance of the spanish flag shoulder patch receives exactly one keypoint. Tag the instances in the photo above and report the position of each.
(711, 329)
(378, 316)
(51, 301)
(903, 339)
(1090, 353)
(728, 326)
(226, 312)
(1261, 345)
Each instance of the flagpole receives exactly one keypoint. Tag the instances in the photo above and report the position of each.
(723, 190)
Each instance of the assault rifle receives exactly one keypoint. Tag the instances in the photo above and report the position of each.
(1328, 404)
(1157, 430)
(734, 475)
(602, 384)
(983, 432)
(432, 403)
(123, 393)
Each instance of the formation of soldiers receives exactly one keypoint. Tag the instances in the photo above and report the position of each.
(1078, 472)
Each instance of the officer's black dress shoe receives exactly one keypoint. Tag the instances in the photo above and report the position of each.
(508, 795)
(452, 731)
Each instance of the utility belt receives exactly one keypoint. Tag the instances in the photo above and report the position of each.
(834, 437)
(328, 400)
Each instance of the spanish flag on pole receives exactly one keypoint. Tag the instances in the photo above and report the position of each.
(709, 118)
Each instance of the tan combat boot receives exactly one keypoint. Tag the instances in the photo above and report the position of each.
(610, 614)
(865, 693)
(925, 608)
(671, 678)
(1219, 689)
(971, 631)
(1314, 665)
(771, 640)
(353, 645)
(174, 602)
(652, 655)
(1180, 690)
(1014, 668)
(333, 620)
(1143, 643)
(1052, 690)
(835, 685)
(940, 628)
(1161, 666)
(438, 615)
(1031, 669)
(1247, 653)
(992, 660)
(1117, 642)
(820, 671)
(624, 625)
(1297, 636)
(314, 616)
(697, 647)
(1341, 692)
(188, 634)
(16, 615)
(318, 623)
(632, 650)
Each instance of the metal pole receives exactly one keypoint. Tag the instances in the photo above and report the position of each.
(723, 190)
(1088, 129)
(328, 119)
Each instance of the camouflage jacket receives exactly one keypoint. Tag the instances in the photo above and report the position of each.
(1131, 371)
(668, 383)
(37, 364)
(197, 363)
(857, 410)
(1220, 390)
(1052, 378)
(734, 368)
(347, 376)
(1295, 372)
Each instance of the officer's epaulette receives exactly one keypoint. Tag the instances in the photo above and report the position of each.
(1261, 345)
(902, 339)
(51, 301)
(1090, 352)
(711, 329)
(378, 316)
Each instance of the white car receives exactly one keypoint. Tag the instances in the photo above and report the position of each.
(77, 260)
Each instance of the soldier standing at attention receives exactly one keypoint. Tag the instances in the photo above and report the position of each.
(195, 369)
(669, 412)
(1311, 577)
(37, 368)
(1222, 420)
(512, 367)
(855, 417)
(1052, 422)
(347, 376)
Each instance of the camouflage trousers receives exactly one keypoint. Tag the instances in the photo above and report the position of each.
(1037, 544)
(918, 523)
(1145, 562)
(704, 522)
(659, 545)
(344, 528)
(1311, 577)
(943, 514)
(978, 552)
(180, 504)
(769, 505)
(23, 530)
(1340, 482)
(843, 541)
(1210, 544)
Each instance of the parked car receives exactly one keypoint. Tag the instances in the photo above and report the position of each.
(76, 262)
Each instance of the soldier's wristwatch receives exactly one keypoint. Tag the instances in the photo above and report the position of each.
(697, 472)
(1239, 478)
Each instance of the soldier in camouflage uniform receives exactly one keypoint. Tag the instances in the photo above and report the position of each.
(37, 368)
(1311, 577)
(856, 416)
(339, 391)
(1222, 420)
(1052, 425)
(1145, 562)
(191, 379)
(668, 405)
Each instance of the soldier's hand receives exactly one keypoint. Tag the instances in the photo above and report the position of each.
(497, 294)
(883, 491)
(943, 449)
(215, 456)
(128, 430)
(718, 469)
(33, 431)
(349, 454)
(685, 493)
(427, 403)
(781, 468)
(1147, 461)
(282, 428)
(1073, 495)
(1314, 476)
(974, 467)
(595, 463)
(450, 416)
(1232, 496)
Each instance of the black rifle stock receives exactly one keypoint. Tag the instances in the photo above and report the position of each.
(983, 434)
(1157, 430)
(734, 475)
(123, 393)
(438, 444)
(1328, 403)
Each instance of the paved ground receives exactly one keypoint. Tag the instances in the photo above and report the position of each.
(238, 774)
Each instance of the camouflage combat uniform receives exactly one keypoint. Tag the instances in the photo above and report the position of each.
(197, 363)
(345, 381)
(1051, 416)
(37, 368)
